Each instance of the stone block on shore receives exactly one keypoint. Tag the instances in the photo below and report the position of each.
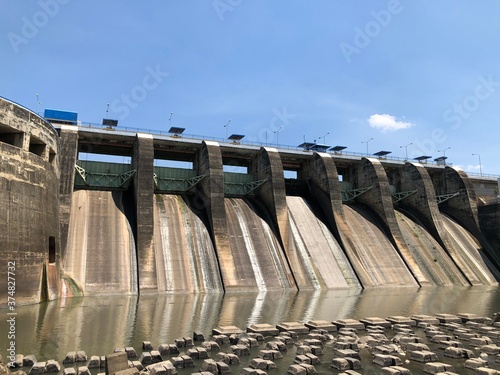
(264, 329)
(296, 327)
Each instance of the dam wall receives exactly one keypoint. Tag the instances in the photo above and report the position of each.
(101, 255)
(344, 222)
(185, 256)
(489, 222)
(260, 239)
(29, 205)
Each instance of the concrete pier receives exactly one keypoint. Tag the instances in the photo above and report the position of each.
(142, 162)
(29, 201)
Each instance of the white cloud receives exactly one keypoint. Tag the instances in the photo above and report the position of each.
(473, 168)
(387, 123)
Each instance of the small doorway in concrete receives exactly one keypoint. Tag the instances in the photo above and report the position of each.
(52, 249)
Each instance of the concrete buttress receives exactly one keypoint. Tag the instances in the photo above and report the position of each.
(143, 163)
(379, 198)
(266, 165)
(209, 196)
(68, 156)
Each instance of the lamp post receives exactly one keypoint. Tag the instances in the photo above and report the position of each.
(367, 154)
(277, 132)
(480, 165)
(38, 102)
(227, 127)
(444, 151)
(444, 154)
(406, 150)
(324, 138)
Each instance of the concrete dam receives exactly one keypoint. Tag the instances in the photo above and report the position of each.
(101, 228)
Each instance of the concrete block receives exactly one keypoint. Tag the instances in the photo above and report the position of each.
(293, 327)
(425, 319)
(486, 371)
(340, 364)
(448, 318)
(116, 362)
(81, 356)
(226, 330)
(343, 353)
(37, 368)
(317, 350)
(296, 370)
(264, 329)
(437, 367)
(349, 323)
(276, 345)
(259, 363)
(419, 346)
(29, 360)
(221, 339)
(480, 341)
(94, 362)
(223, 368)
(375, 321)
(399, 319)
(321, 324)
(131, 353)
(135, 371)
(395, 370)
(52, 366)
(423, 356)
(385, 360)
(453, 352)
(209, 365)
(270, 354)
(239, 350)
(475, 363)
(187, 361)
(492, 349)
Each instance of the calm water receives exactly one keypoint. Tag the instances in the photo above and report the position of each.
(97, 325)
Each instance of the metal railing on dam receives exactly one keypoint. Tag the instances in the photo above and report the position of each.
(88, 126)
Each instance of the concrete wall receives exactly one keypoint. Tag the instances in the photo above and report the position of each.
(489, 220)
(143, 163)
(68, 156)
(29, 201)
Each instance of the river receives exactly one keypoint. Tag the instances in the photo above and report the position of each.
(98, 325)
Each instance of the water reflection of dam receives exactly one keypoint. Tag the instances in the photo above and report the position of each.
(205, 229)
(338, 223)
(97, 325)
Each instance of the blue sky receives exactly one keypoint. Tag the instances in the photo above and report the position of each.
(398, 71)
